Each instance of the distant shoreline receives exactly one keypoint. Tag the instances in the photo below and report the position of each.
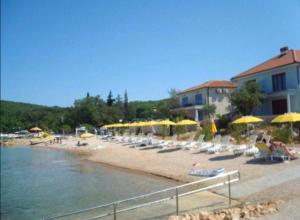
(87, 153)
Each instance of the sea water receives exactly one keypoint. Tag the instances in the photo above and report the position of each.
(38, 183)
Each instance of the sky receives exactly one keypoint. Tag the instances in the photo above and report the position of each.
(55, 51)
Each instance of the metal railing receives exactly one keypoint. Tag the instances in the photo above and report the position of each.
(232, 176)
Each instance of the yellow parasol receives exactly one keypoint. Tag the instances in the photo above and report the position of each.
(166, 122)
(151, 123)
(35, 129)
(134, 124)
(213, 127)
(247, 119)
(118, 125)
(287, 117)
(87, 135)
(186, 122)
(126, 125)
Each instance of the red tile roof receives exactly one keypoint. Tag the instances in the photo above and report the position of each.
(211, 84)
(291, 56)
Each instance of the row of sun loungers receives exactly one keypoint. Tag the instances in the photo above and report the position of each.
(217, 145)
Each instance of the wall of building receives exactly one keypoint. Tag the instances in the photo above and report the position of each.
(220, 100)
(191, 96)
(265, 78)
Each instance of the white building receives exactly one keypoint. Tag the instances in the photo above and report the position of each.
(193, 99)
(279, 78)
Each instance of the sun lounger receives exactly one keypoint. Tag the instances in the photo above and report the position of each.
(218, 147)
(283, 153)
(247, 149)
(193, 144)
(206, 145)
(207, 173)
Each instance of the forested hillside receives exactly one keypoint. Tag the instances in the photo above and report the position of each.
(90, 111)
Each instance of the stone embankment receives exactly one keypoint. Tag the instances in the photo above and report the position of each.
(245, 211)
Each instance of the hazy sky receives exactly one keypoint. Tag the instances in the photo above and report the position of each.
(55, 51)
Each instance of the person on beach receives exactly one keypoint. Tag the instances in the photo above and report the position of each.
(278, 145)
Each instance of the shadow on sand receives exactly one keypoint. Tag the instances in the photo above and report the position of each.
(262, 161)
(225, 157)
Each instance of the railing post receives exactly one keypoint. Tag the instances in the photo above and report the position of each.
(177, 203)
(115, 211)
(229, 190)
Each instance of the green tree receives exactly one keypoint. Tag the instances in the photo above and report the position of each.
(110, 100)
(119, 100)
(209, 110)
(126, 109)
(247, 98)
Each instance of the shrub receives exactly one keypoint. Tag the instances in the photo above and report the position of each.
(206, 131)
(283, 134)
(237, 132)
(198, 133)
(223, 121)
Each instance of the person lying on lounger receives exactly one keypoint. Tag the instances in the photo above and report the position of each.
(274, 145)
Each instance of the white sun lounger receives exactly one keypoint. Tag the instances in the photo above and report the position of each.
(218, 147)
(194, 144)
(247, 149)
(206, 145)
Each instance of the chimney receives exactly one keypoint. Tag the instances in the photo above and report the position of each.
(283, 50)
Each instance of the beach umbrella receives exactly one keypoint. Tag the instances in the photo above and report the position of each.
(287, 117)
(35, 129)
(118, 125)
(134, 124)
(247, 119)
(213, 127)
(186, 122)
(151, 123)
(141, 124)
(126, 125)
(166, 122)
(87, 135)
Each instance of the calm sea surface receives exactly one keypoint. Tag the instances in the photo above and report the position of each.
(37, 183)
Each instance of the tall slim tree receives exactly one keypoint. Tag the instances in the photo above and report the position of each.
(119, 100)
(126, 111)
(110, 100)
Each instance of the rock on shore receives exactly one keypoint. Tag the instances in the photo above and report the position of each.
(236, 213)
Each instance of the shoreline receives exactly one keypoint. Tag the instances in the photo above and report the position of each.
(174, 166)
(86, 154)
(260, 181)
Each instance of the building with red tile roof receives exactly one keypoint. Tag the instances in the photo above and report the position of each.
(214, 92)
(279, 78)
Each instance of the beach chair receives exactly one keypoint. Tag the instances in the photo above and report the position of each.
(218, 147)
(194, 144)
(206, 145)
(283, 153)
(207, 173)
(247, 149)
(170, 145)
(182, 144)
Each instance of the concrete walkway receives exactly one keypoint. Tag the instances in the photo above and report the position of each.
(246, 188)
(188, 204)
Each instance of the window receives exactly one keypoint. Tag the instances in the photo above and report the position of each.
(185, 101)
(278, 81)
(198, 99)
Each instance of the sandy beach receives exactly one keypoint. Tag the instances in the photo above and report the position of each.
(259, 180)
